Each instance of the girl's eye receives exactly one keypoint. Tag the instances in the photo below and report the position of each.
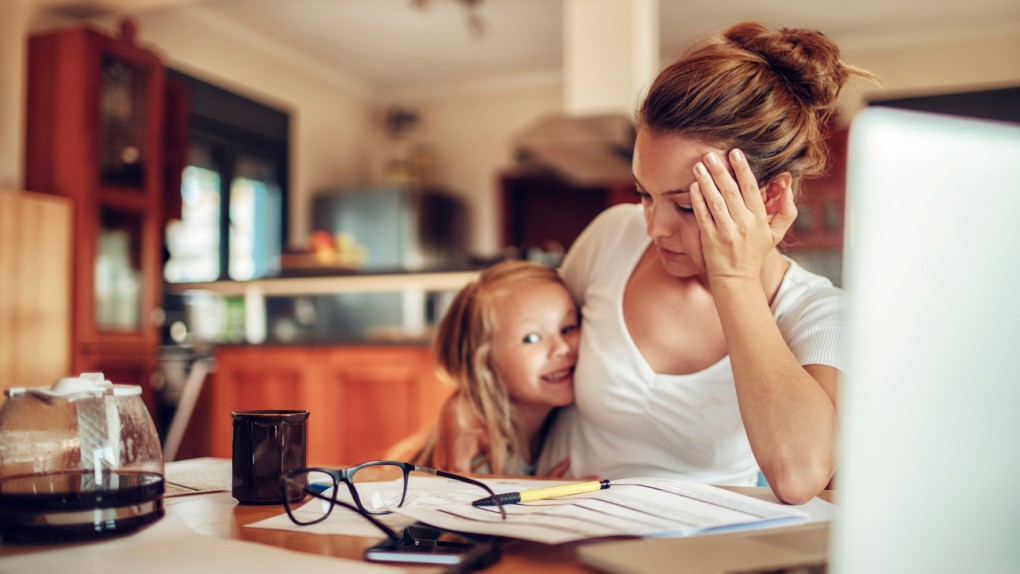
(531, 338)
(568, 329)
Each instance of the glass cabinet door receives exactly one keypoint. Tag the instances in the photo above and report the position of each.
(118, 271)
(123, 125)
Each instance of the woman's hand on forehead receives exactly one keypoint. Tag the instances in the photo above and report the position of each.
(736, 230)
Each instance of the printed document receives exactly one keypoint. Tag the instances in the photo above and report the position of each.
(643, 507)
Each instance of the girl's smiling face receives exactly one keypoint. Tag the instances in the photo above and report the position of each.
(534, 345)
(663, 172)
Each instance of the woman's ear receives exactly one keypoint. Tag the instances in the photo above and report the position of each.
(775, 189)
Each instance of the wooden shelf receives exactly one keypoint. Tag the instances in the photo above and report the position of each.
(330, 285)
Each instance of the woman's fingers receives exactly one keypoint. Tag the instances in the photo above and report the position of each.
(731, 214)
(727, 186)
(731, 196)
(750, 193)
(702, 213)
(717, 210)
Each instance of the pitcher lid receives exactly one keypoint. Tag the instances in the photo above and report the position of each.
(84, 385)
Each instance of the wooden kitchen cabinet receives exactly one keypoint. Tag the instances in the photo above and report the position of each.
(385, 395)
(94, 133)
(547, 212)
(361, 399)
(35, 289)
(821, 206)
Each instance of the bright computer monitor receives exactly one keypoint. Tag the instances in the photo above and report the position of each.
(929, 477)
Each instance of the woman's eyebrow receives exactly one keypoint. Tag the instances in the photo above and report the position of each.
(668, 193)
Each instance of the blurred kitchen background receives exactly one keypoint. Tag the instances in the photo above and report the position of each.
(286, 194)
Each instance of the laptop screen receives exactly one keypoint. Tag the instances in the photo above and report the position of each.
(930, 408)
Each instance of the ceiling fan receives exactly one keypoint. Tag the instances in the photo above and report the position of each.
(477, 25)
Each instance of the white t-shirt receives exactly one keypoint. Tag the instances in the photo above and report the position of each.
(630, 421)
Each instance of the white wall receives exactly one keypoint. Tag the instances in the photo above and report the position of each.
(916, 67)
(17, 17)
(13, 22)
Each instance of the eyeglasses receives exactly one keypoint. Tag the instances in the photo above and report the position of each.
(376, 488)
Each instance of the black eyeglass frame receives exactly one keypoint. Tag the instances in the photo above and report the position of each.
(477, 554)
(345, 475)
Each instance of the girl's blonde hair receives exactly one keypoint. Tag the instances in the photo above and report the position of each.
(462, 350)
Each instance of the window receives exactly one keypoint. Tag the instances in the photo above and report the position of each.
(194, 240)
(233, 188)
(254, 220)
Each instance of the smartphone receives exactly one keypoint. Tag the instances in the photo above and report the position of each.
(426, 545)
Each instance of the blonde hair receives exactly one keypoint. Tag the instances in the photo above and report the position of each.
(768, 92)
(462, 350)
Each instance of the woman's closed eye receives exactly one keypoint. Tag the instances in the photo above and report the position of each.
(646, 198)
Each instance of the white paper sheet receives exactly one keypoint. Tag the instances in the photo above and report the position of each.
(635, 507)
(198, 475)
(430, 491)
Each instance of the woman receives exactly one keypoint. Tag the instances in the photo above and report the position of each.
(706, 353)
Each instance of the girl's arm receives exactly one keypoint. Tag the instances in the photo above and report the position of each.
(461, 436)
(789, 410)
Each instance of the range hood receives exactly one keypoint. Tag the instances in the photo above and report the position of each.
(586, 151)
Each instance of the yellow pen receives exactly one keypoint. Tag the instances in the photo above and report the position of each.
(541, 493)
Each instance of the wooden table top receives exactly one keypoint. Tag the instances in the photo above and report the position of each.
(218, 514)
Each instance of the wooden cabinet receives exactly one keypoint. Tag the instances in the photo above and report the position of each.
(361, 399)
(35, 289)
(546, 212)
(821, 206)
(816, 239)
(94, 134)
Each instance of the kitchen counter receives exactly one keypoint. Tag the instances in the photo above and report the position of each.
(332, 307)
(363, 399)
(335, 284)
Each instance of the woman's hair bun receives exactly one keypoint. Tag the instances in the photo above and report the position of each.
(805, 60)
(769, 92)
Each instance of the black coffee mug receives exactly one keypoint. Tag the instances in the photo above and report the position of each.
(267, 444)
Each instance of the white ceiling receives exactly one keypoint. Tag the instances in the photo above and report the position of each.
(389, 45)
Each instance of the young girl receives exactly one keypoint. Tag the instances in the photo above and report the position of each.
(508, 345)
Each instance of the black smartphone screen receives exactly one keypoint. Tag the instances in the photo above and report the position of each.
(425, 545)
